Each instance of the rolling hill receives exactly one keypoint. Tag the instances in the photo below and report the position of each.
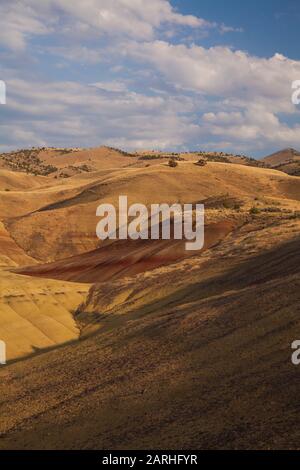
(136, 344)
(287, 160)
(196, 355)
(282, 157)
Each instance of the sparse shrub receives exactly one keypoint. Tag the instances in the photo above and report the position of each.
(201, 162)
(254, 210)
(227, 204)
(172, 163)
(85, 168)
(150, 157)
(272, 209)
(295, 215)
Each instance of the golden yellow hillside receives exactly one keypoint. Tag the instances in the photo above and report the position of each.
(59, 206)
(184, 344)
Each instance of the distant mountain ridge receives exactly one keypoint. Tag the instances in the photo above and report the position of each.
(60, 163)
(281, 157)
(286, 160)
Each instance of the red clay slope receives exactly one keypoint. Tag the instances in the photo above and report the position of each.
(125, 257)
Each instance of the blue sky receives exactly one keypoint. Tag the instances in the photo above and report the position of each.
(269, 26)
(178, 75)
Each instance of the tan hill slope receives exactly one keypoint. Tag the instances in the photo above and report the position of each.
(14, 181)
(167, 350)
(99, 158)
(66, 226)
(37, 314)
(34, 313)
(281, 157)
(195, 355)
(118, 259)
(287, 160)
(10, 253)
(56, 220)
(64, 163)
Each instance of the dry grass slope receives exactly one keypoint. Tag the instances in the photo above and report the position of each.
(145, 347)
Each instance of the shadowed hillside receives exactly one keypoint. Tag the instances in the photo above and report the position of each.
(208, 367)
(140, 344)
